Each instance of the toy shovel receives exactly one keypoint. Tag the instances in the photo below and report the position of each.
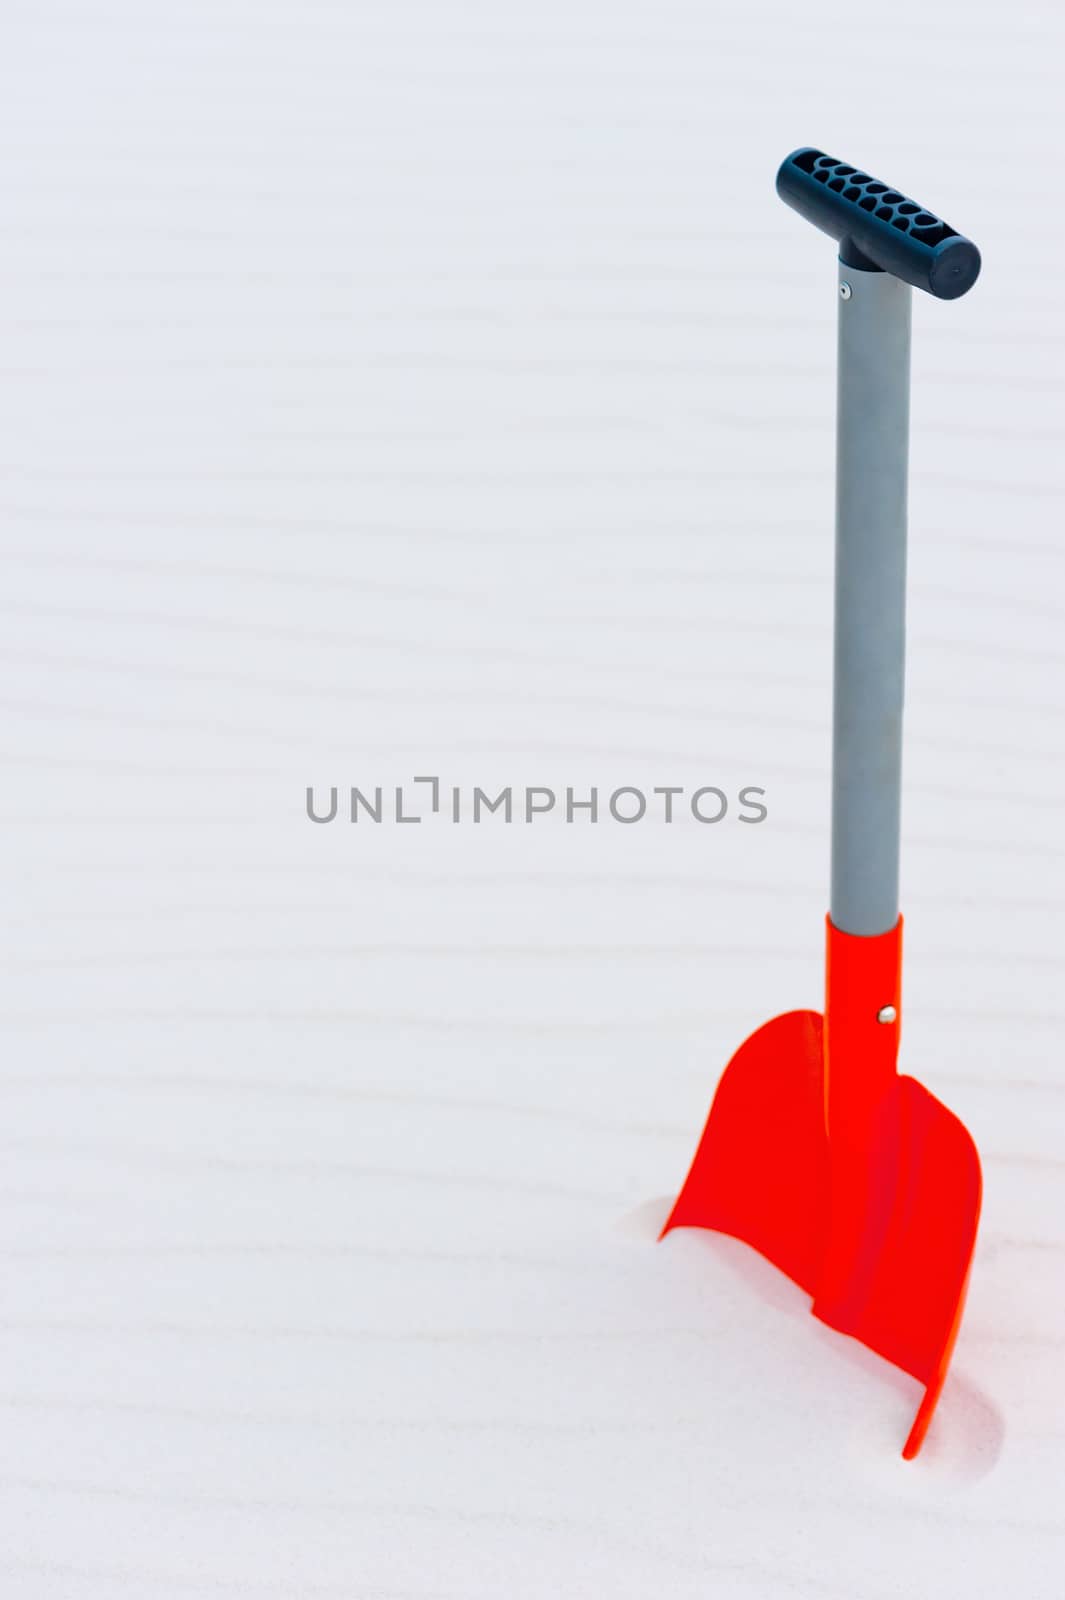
(852, 1179)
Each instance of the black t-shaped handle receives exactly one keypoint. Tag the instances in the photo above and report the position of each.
(878, 228)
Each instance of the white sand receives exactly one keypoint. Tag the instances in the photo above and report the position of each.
(441, 389)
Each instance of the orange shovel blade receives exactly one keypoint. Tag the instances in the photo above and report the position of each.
(880, 1235)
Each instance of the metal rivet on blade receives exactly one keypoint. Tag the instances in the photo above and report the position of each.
(844, 291)
(887, 1014)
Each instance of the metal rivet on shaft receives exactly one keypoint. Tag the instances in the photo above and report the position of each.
(844, 291)
(887, 1014)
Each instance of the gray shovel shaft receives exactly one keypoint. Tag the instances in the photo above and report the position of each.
(872, 439)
